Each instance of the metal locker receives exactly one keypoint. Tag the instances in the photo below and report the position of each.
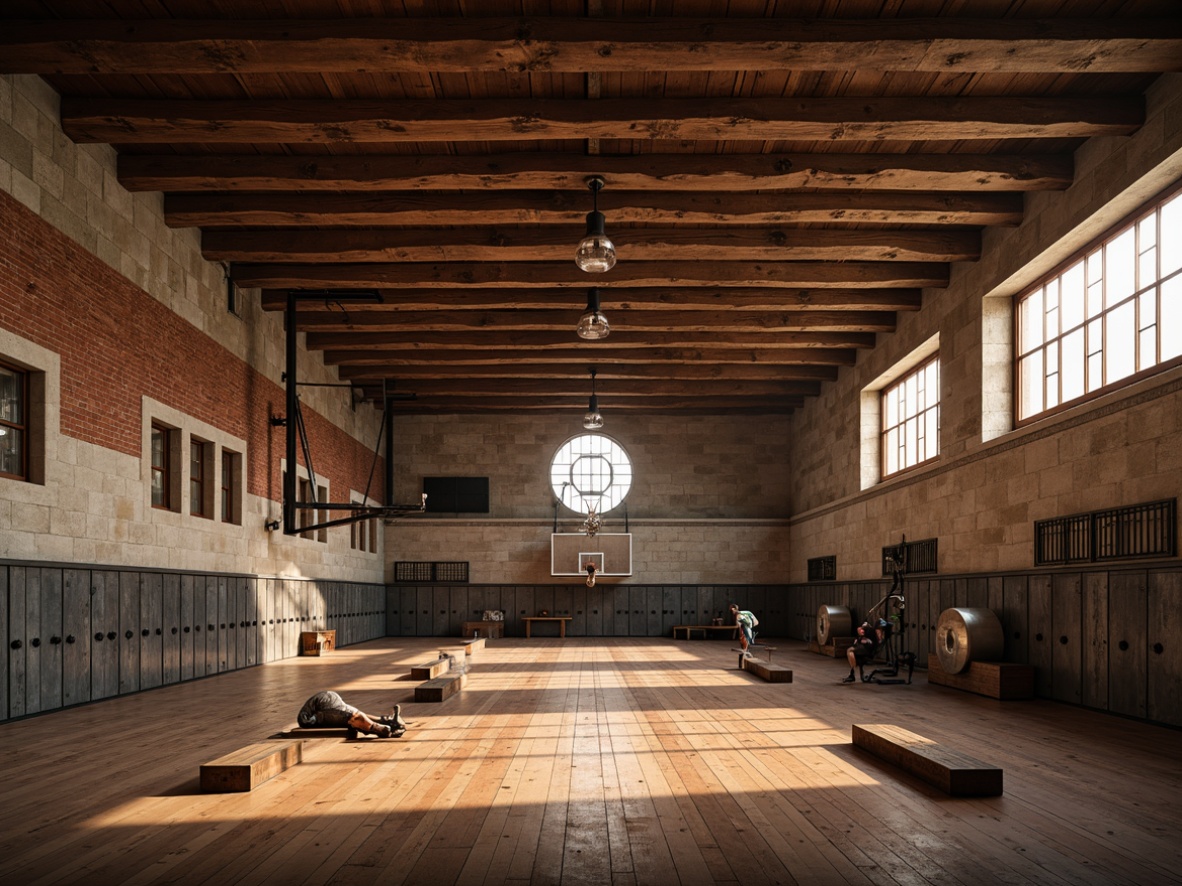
(596, 601)
(577, 603)
(393, 625)
(252, 621)
(1128, 643)
(1015, 619)
(200, 626)
(1039, 605)
(75, 636)
(171, 622)
(240, 633)
(459, 610)
(18, 643)
(104, 627)
(616, 611)
(440, 607)
(212, 654)
(524, 605)
(703, 606)
(564, 597)
(129, 629)
(408, 608)
(652, 600)
(185, 621)
(48, 641)
(225, 648)
(151, 634)
(1094, 689)
(1066, 638)
(1164, 704)
(976, 593)
(543, 600)
(4, 605)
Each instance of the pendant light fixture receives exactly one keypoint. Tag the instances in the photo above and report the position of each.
(593, 325)
(596, 253)
(592, 420)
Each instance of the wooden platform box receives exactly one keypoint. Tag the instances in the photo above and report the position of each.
(951, 771)
(995, 679)
(836, 649)
(441, 688)
(317, 642)
(765, 670)
(248, 767)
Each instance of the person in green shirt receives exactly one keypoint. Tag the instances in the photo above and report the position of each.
(747, 623)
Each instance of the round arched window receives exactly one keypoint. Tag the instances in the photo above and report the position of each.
(591, 472)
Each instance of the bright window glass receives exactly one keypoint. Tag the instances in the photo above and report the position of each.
(1105, 318)
(911, 419)
(591, 472)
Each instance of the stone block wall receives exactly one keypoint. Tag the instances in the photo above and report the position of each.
(991, 481)
(118, 316)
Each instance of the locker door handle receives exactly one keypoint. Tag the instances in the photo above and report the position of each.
(16, 644)
(159, 632)
(36, 642)
(174, 630)
(99, 637)
(145, 632)
(110, 635)
(69, 638)
(55, 640)
(129, 635)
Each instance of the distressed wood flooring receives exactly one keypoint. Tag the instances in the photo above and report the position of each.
(605, 760)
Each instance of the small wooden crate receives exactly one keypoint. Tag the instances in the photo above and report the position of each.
(995, 679)
(773, 673)
(317, 642)
(248, 767)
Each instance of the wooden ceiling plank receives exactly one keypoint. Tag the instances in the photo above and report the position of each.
(549, 244)
(360, 319)
(685, 299)
(613, 369)
(535, 44)
(619, 389)
(561, 208)
(372, 359)
(900, 274)
(620, 340)
(646, 172)
(872, 118)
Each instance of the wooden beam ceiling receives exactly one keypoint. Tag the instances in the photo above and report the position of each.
(778, 189)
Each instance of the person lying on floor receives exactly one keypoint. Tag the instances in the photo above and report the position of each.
(327, 708)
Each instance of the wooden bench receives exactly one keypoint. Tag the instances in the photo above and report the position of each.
(429, 670)
(248, 767)
(951, 771)
(494, 629)
(773, 673)
(441, 688)
(561, 619)
(996, 679)
(705, 629)
(836, 649)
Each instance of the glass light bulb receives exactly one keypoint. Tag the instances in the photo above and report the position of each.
(593, 421)
(593, 326)
(596, 254)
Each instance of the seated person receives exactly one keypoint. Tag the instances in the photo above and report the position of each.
(327, 708)
(864, 648)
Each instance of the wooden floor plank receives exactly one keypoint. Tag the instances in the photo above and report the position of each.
(610, 760)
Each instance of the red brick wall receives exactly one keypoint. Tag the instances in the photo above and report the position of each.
(117, 344)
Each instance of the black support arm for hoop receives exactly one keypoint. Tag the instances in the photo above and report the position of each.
(294, 424)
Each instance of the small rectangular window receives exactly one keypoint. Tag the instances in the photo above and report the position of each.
(198, 477)
(162, 474)
(910, 433)
(231, 508)
(14, 423)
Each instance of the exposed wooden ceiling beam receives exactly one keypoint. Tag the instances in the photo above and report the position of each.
(374, 357)
(872, 118)
(619, 389)
(550, 244)
(452, 44)
(565, 208)
(683, 405)
(605, 371)
(906, 275)
(684, 299)
(549, 171)
(512, 342)
(360, 319)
